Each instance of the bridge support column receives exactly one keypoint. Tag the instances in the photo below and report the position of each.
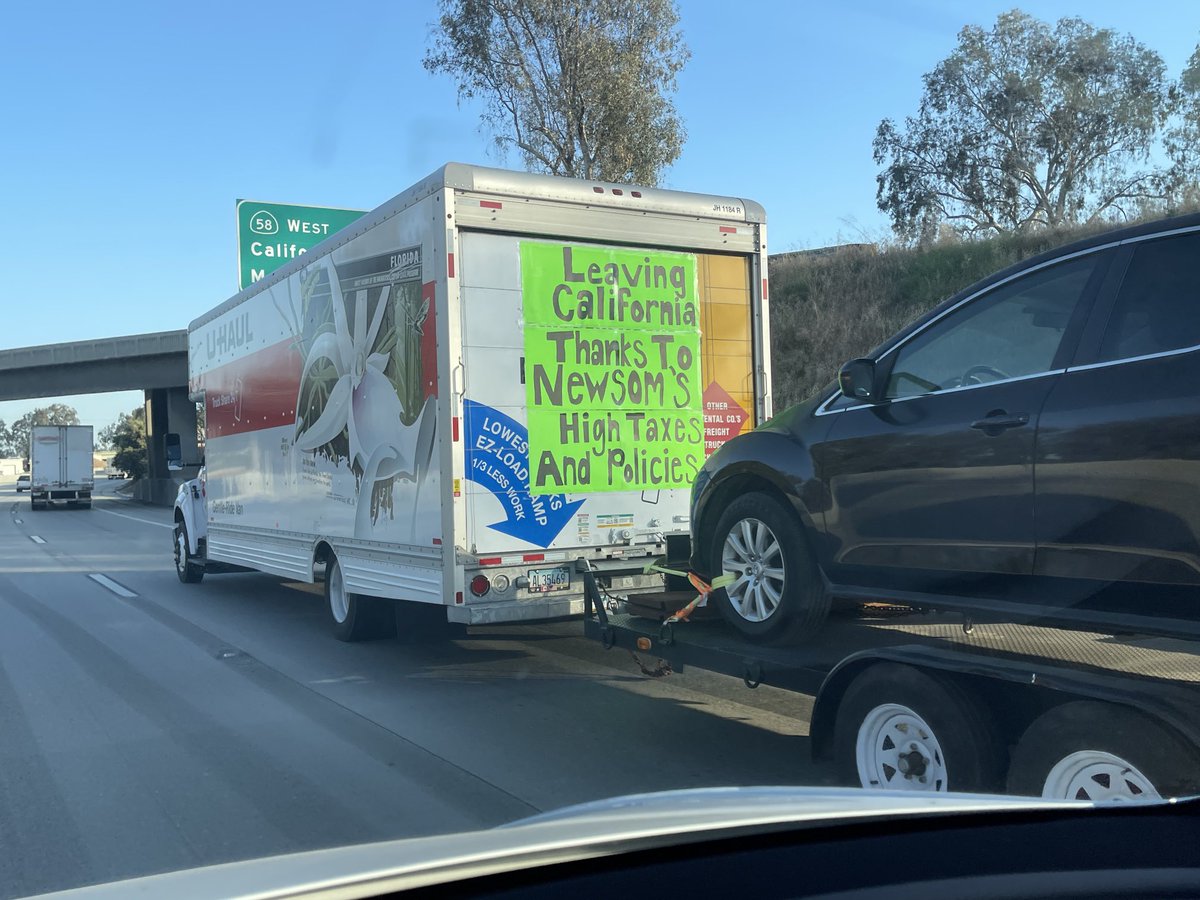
(169, 460)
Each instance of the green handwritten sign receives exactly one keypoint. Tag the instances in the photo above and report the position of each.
(612, 368)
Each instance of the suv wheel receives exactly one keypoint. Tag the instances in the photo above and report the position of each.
(777, 594)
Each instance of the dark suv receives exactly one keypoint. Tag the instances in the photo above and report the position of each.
(1029, 449)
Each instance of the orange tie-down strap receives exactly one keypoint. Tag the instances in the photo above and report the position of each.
(703, 589)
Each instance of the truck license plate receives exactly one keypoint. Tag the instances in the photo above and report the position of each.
(543, 581)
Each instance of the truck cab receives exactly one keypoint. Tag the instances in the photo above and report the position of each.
(191, 529)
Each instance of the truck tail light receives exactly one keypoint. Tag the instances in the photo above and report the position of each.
(480, 585)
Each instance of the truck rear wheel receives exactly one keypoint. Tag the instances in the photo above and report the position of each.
(354, 617)
(777, 595)
(186, 567)
(899, 728)
(1091, 750)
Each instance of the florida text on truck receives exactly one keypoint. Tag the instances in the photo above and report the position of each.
(489, 377)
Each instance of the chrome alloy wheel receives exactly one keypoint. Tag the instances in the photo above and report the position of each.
(753, 555)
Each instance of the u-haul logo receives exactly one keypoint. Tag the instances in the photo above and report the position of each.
(230, 335)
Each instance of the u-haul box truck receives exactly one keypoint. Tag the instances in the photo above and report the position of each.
(457, 397)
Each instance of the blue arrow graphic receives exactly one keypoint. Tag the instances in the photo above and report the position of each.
(497, 457)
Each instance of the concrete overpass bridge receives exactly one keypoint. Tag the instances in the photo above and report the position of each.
(155, 364)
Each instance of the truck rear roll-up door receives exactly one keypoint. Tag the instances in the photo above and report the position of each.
(605, 224)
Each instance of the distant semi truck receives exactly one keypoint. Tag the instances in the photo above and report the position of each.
(61, 465)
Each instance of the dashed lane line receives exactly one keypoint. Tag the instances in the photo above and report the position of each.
(105, 582)
(36, 539)
(135, 518)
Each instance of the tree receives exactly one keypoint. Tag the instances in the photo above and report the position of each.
(106, 438)
(22, 428)
(1026, 126)
(1183, 138)
(128, 438)
(7, 448)
(580, 87)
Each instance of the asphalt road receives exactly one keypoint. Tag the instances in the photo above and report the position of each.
(148, 725)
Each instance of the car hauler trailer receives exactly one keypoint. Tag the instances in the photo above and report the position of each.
(488, 377)
(929, 701)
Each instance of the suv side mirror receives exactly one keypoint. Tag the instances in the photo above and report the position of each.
(857, 380)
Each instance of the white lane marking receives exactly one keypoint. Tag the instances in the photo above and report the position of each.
(36, 539)
(19, 521)
(136, 519)
(106, 582)
(345, 679)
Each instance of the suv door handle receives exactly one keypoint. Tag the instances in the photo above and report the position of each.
(998, 420)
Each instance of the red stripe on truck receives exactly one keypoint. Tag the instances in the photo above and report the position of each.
(253, 392)
(260, 389)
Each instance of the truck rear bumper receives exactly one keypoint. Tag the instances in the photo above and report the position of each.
(60, 494)
(621, 578)
(516, 611)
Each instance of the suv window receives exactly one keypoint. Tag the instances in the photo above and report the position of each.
(1158, 306)
(1012, 331)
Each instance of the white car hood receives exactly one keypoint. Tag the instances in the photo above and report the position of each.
(603, 828)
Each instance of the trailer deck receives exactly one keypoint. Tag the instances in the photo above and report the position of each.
(711, 644)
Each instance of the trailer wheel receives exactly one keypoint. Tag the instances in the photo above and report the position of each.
(899, 728)
(777, 595)
(1091, 750)
(354, 617)
(186, 567)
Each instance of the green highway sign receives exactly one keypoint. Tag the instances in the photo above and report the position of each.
(273, 234)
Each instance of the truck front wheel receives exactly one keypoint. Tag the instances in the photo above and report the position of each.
(1091, 750)
(354, 617)
(899, 728)
(186, 567)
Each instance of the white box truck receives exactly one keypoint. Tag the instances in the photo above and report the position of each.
(60, 465)
(491, 376)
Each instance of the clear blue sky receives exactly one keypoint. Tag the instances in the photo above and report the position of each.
(129, 129)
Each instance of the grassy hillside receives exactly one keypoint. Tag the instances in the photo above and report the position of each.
(829, 307)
